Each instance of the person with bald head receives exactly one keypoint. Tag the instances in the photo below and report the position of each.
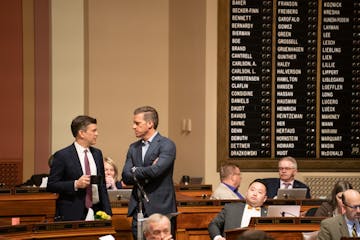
(346, 224)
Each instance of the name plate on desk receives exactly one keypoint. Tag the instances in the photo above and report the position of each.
(66, 225)
(15, 229)
(284, 220)
(193, 187)
(31, 190)
(205, 202)
(280, 228)
(5, 191)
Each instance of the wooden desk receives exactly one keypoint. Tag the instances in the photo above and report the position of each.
(196, 212)
(58, 230)
(195, 215)
(280, 228)
(193, 190)
(122, 223)
(192, 222)
(30, 208)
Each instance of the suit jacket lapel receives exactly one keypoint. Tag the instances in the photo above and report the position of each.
(296, 184)
(343, 227)
(76, 161)
(241, 213)
(138, 156)
(96, 159)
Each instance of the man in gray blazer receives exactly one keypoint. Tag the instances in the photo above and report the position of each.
(236, 215)
(149, 167)
(230, 177)
(345, 225)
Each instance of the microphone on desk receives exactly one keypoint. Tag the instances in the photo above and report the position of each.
(288, 213)
(143, 193)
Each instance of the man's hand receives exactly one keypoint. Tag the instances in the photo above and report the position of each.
(168, 237)
(83, 182)
(219, 237)
(155, 161)
(110, 182)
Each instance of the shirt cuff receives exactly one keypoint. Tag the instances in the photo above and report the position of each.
(217, 237)
(75, 185)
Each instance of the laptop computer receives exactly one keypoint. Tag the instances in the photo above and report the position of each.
(119, 194)
(283, 211)
(293, 193)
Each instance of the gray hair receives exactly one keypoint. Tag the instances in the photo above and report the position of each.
(154, 218)
(290, 159)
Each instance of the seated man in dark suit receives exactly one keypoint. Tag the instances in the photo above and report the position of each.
(287, 171)
(238, 214)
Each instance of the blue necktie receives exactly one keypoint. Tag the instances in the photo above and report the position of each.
(145, 146)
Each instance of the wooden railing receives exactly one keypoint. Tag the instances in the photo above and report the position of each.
(29, 208)
(279, 228)
(91, 230)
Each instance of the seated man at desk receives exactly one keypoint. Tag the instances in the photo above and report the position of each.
(346, 224)
(230, 178)
(238, 214)
(157, 226)
(287, 171)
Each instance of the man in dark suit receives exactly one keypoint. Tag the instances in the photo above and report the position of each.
(287, 171)
(70, 175)
(238, 214)
(149, 166)
(346, 224)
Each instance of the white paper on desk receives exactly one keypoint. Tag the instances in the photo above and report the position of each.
(90, 215)
(107, 237)
(44, 181)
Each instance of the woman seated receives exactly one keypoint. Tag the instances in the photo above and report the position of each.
(334, 206)
(111, 175)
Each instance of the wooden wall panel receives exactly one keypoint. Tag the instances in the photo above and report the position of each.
(42, 22)
(11, 88)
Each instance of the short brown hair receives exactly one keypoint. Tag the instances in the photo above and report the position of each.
(80, 123)
(150, 114)
(227, 170)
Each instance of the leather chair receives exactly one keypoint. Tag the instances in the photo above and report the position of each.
(311, 212)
